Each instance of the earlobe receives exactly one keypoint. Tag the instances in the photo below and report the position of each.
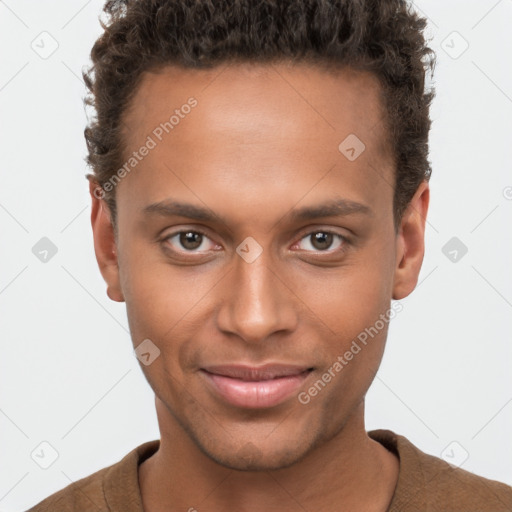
(105, 246)
(410, 243)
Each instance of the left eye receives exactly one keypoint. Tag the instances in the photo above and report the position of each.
(322, 241)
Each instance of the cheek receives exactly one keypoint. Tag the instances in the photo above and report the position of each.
(147, 290)
(162, 301)
(349, 298)
(354, 303)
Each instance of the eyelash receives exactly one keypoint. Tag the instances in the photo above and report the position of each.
(343, 240)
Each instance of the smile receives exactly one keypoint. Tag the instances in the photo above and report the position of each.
(255, 388)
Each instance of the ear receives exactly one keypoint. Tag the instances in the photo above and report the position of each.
(104, 242)
(410, 243)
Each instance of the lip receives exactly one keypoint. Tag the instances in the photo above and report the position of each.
(255, 387)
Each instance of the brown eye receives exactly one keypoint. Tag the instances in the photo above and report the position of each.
(323, 241)
(190, 239)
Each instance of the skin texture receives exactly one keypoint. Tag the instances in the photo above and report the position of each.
(261, 143)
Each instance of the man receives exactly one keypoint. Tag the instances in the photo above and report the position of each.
(259, 197)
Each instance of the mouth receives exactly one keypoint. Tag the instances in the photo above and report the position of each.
(255, 387)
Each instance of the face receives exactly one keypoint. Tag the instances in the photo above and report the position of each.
(258, 230)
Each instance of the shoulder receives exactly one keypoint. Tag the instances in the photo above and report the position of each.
(105, 490)
(84, 494)
(426, 482)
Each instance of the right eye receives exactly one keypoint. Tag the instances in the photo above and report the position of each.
(188, 241)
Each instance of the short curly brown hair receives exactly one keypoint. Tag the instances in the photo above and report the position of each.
(384, 37)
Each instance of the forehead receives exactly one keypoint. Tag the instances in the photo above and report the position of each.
(250, 100)
(258, 126)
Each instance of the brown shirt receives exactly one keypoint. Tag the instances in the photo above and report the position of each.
(425, 484)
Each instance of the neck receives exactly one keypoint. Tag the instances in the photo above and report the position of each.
(349, 469)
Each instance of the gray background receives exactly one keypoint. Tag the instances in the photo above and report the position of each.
(68, 376)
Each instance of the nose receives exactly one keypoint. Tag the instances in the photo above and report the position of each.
(257, 301)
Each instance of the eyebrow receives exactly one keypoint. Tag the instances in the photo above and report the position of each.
(333, 208)
(336, 208)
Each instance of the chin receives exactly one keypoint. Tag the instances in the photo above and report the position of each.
(253, 457)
